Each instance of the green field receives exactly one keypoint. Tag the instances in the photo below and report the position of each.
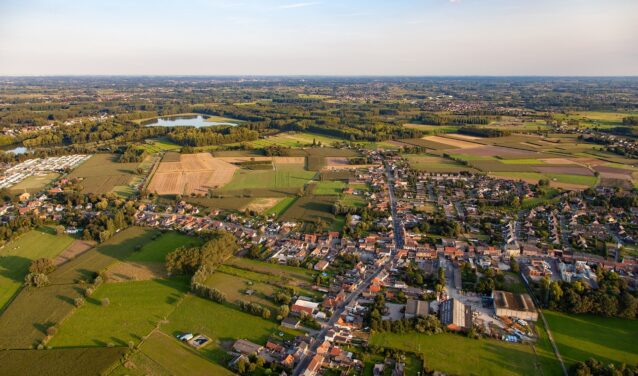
(329, 187)
(234, 286)
(157, 249)
(34, 184)
(157, 145)
(286, 176)
(16, 256)
(356, 201)
(455, 354)
(68, 362)
(435, 164)
(433, 129)
(283, 272)
(580, 337)
(134, 310)
(218, 322)
(294, 140)
(281, 206)
(102, 173)
(160, 354)
(25, 320)
(311, 208)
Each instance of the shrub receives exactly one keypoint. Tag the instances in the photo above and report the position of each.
(36, 280)
(78, 302)
(52, 330)
(42, 266)
(105, 302)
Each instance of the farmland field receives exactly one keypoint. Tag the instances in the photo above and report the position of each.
(329, 187)
(16, 256)
(133, 311)
(233, 286)
(580, 337)
(281, 206)
(25, 320)
(191, 173)
(311, 208)
(455, 354)
(284, 176)
(157, 249)
(226, 203)
(157, 145)
(281, 271)
(294, 139)
(34, 184)
(193, 315)
(102, 173)
(162, 355)
(435, 164)
(68, 362)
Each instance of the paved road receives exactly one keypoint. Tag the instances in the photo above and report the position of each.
(320, 337)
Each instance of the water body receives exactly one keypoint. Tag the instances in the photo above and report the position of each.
(198, 121)
(17, 150)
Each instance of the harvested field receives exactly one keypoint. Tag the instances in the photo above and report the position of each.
(34, 184)
(337, 161)
(464, 137)
(288, 160)
(495, 151)
(67, 362)
(228, 203)
(244, 159)
(72, 251)
(102, 173)
(194, 173)
(423, 143)
(452, 143)
(260, 205)
(562, 161)
(136, 271)
(572, 170)
(608, 170)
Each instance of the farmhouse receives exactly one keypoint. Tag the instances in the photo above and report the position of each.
(246, 347)
(455, 315)
(304, 306)
(520, 306)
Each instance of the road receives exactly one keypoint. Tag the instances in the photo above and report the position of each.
(398, 236)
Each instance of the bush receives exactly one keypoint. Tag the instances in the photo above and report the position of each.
(78, 302)
(52, 330)
(105, 302)
(36, 280)
(42, 266)
(88, 291)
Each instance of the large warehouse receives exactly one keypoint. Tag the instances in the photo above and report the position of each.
(520, 306)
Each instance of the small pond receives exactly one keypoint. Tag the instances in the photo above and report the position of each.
(197, 121)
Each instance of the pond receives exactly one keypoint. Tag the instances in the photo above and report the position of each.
(16, 150)
(197, 121)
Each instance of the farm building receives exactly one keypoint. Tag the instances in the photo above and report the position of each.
(455, 315)
(415, 308)
(520, 306)
(304, 306)
(246, 347)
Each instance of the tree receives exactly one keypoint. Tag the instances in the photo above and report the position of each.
(514, 267)
(59, 230)
(36, 280)
(42, 265)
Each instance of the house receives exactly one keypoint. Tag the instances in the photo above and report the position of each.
(455, 315)
(24, 196)
(415, 308)
(291, 323)
(246, 347)
(520, 306)
(314, 367)
(304, 306)
(321, 265)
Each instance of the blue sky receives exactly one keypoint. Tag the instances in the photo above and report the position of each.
(392, 37)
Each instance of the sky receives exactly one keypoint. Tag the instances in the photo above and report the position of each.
(319, 37)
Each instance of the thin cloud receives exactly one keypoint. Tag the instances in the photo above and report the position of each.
(298, 5)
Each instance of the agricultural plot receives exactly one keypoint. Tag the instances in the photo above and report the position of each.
(283, 176)
(455, 354)
(157, 145)
(133, 311)
(225, 203)
(452, 142)
(160, 354)
(25, 320)
(34, 184)
(237, 288)
(433, 129)
(68, 362)
(294, 140)
(193, 315)
(436, 164)
(423, 143)
(193, 173)
(102, 173)
(16, 256)
(580, 337)
(157, 249)
(330, 188)
(311, 208)
(284, 273)
(281, 206)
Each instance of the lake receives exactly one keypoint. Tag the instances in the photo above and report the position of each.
(198, 121)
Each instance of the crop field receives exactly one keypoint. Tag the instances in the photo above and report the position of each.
(69, 362)
(580, 337)
(234, 287)
(451, 142)
(353, 201)
(435, 164)
(25, 320)
(262, 204)
(102, 173)
(157, 249)
(433, 129)
(329, 187)
(283, 176)
(161, 354)
(422, 142)
(284, 273)
(34, 184)
(193, 315)
(157, 145)
(294, 140)
(193, 173)
(311, 208)
(279, 208)
(16, 256)
(134, 310)
(455, 354)
(225, 203)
